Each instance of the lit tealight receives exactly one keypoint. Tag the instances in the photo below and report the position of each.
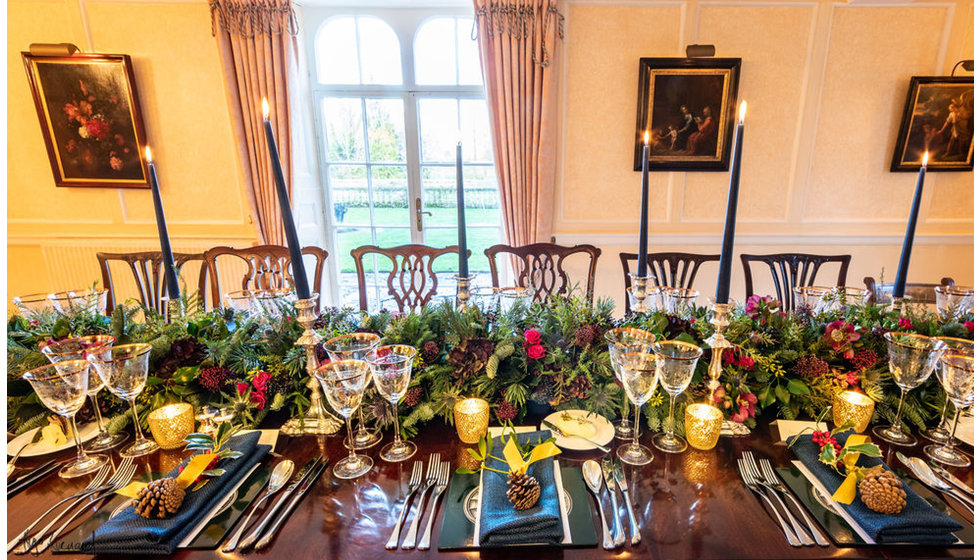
(702, 425)
(854, 407)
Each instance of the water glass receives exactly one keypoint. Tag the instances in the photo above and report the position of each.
(623, 341)
(640, 376)
(123, 370)
(33, 306)
(676, 361)
(343, 384)
(911, 360)
(953, 301)
(956, 376)
(356, 346)
(940, 434)
(679, 302)
(391, 368)
(80, 301)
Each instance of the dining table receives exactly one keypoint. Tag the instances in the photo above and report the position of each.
(690, 505)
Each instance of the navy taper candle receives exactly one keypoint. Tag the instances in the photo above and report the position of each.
(464, 268)
(289, 228)
(169, 270)
(641, 261)
(728, 238)
(903, 262)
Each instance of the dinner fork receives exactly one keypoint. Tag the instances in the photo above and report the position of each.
(753, 469)
(777, 484)
(123, 475)
(413, 485)
(441, 484)
(430, 479)
(93, 486)
(753, 486)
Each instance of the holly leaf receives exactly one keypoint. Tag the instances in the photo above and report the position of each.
(869, 449)
(842, 428)
(828, 455)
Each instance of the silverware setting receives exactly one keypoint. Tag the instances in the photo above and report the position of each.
(751, 484)
(25, 480)
(413, 486)
(921, 470)
(303, 489)
(303, 479)
(620, 477)
(441, 484)
(592, 473)
(437, 477)
(775, 482)
(431, 474)
(280, 475)
(619, 538)
(948, 477)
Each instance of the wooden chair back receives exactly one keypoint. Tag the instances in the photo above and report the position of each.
(677, 270)
(147, 270)
(267, 267)
(792, 270)
(918, 292)
(411, 282)
(541, 267)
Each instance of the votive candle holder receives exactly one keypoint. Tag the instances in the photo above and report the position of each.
(702, 425)
(854, 406)
(171, 424)
(472, 419)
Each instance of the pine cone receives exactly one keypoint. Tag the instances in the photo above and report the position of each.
(881, 490)
(160, 498)
(524, 491)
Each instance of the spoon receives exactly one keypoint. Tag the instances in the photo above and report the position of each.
(280, 474)
(10, 463)
(922, 471)
(592, 473)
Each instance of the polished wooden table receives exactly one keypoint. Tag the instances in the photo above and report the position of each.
(689, 506)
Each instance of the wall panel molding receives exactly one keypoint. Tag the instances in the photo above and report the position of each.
(749, 239)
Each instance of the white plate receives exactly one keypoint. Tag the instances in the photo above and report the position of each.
(964, 431)
(86, 433)
(604, 431)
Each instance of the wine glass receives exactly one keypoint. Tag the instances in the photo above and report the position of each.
(639, 371)
(391, 367)
(240, 301)
(33, 306)
(80, 301)
(77, 349)
(123, 369)
(953, 301)
(911, 359)
(356, 346)
(679, 302)
(623, 341)
(956, 375)
(940, 434)
(343, 384)
(61, 387)
(676, 361)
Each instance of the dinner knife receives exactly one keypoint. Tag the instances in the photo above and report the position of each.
(298, 480)
(303, 489)
(620, 478)
(619, 537)
(30, 478)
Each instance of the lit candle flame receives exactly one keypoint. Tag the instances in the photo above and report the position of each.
(149, 155)
(741, 113)
(265, 108)
(646, 137)
(925, 159)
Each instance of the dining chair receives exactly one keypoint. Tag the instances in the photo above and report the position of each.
(266, 267)
(147, 270)
(792, 270)
(540, 267)
(411, 282)
(917, 292)
(677, 270)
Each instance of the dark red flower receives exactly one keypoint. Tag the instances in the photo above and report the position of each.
(260, 380)
(532, 337)
(241, 387)
(840, 334)
(535, 352)
(258, 398)
(506, 411)
(968, 325)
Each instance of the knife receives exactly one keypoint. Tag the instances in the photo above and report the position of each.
(307, 484)
(620, 478)
(298, 479)
(619, 537)
(26, 480)
(555, 428)
(948, 477)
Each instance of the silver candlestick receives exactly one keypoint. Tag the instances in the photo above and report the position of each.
(638, 293)
(316, 420)
(463, 291)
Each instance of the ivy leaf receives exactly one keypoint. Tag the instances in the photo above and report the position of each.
(797, 387)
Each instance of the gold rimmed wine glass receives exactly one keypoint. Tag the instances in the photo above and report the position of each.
(939, 433)
(639, 371)
(679, 302)
(78, 349)
(61, 388)
(391, 368)
(676, 361)
(911, 360)
(624, 341)
(123, 369)
(956, 375)
(953, 301)
(356, 346)
(343, 385)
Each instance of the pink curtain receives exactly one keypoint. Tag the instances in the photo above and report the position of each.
(518, 47)
(258, 50)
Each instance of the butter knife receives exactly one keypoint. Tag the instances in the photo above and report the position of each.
(298, 479)
(619, 537)
(307, 484)
(620, 478)
(553, 427)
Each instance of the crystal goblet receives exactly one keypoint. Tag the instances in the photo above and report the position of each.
(123, 369)
(640, 375)
(240, 301)
(623, 341)
(956, 375)
(679, 302)
(911, 359)
(940, 434)
(356, 346)
(343, 383)
(33, 306)
(676, 361)
(80, 301)
(953, 301)
(78, 349)
(391, 368)
(61, 388)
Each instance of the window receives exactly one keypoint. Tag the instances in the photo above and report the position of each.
(394, 91)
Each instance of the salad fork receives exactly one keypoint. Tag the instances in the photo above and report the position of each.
(753, 469)
(441, 484)
(775, 483)
(430, 479)
(756, 488)
(413, 485)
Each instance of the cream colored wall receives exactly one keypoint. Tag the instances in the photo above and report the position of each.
(53, 233)
(826, 85)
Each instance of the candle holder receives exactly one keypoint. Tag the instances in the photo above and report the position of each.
(316, 420)
(702, 425)
(472, 419)
(855, 407)
(172, 309)
(900, 304)
(463, 291)
(718, 343)
(639, 301)
(171, 424)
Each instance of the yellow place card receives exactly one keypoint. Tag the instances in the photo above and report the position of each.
(789, 428)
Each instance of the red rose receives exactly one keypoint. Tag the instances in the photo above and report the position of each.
(258, 398)
(904, 323)
(242, 387)
(535, 351)
(260, 380)
(532, 337)
(968, 325)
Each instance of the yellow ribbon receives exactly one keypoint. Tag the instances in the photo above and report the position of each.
(847, 491)
(516, 462)
(197, 465)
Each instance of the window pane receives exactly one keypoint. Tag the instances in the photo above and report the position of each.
(475, 127)
(390, 186)
(345, 133)
(349, 195)
(469, 54)
(440, 127)
(336, 58)
(386, 129)
(380, 53)
(435, 52)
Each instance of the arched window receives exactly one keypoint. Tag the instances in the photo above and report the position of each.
(358, 50)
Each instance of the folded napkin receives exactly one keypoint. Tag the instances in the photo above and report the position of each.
(129, 533)
(918, 523)
(500, 523)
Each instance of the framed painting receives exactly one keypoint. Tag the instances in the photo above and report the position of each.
(89, 112)
(688, 107)
(938, 119)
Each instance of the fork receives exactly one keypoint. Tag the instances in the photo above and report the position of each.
(775, 483)
(753, 470)
(123, 475)
(413, 485)
(430, 479)
(753, 486)
(92, 487)
(441, 484)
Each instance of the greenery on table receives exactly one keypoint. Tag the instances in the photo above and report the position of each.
(542, 356)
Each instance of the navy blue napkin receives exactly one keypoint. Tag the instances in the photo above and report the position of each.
(500, 523)
(129, 533)
(918, 523)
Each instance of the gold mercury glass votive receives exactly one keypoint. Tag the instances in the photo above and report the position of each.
(853, 406)
(472, 419)
(702, 424)
(171, 424)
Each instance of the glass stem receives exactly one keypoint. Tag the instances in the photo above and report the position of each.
(98, 414)
(636, 427)
(948, 446)
(398, 432)
(670, 420)
(626, 407)
(136, 420)
(360, 417)
(350, 440)
(942, 415)
(81, 457)
(897, 424)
